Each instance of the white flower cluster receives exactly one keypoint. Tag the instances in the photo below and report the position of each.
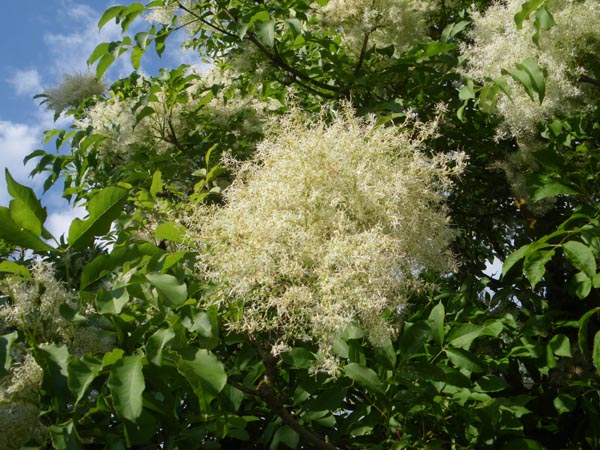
(114, 119)
(330, 225)
(19, 405)
(35, 305)
(497, 44)
(35, 309)
(386, 22)
(72, 91)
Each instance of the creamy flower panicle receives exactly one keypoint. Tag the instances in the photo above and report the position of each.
(35, 306)
(384, 22)
(19, 405)
(330, 225)
(497, 44)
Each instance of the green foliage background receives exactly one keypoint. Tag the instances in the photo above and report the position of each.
(509, 363)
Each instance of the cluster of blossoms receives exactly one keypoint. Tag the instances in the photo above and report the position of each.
(19, 405)
(123, 134)
(563, 49)
(72, 91)
(35, 309)
(330, 225)
(398, 23)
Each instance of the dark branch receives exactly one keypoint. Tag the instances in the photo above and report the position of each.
(589, 80)
(363, 51)
(266, 392)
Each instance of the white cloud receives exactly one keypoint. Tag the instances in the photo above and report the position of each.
(17, 140)
(26, 82)
(58, 222)
(70, 50)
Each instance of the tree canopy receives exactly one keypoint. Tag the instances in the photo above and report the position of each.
(286, 243)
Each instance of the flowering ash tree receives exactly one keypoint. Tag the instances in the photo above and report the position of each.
(347, 225)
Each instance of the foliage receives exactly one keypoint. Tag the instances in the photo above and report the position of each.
(213, 198)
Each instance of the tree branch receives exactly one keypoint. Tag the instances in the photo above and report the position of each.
(586, 79)
(267, 393)
(363, 51)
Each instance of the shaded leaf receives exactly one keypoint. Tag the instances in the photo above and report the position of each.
(364, 377)
(126, 384)
(581, 256)
(6, 342)
(156, 343)
(64, 437)
(436, 319)
(169, 286)
(464, 335)
(82, 371)
(534, 266)
(464, 359)
(205, 373)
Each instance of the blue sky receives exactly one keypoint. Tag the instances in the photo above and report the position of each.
(42, 40)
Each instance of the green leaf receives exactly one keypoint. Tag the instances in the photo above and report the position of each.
(136, 57)
(464, 335)
(112, 302)
(12, 233)
(582, 285)
(285, 435)
(582, 332)
(126, 384)
(543, 19)
(157, 183)
(205, 373)
(105, 62)
(25, 208)
(265, 31)
(564, 403)
(129, 14)
(15, 269)
(464, 359)
(110, 14)
(6, 342)
(112, 357)
(526, 9)
(299, 358)
(535, 265)
(523, 78)
(523, 444)
(55, 364)
(171, 231)
(81, 372)
(467, 92)
(97, 53)
(542, 187)
(156, 343)
(581, 256)
(145, 112)
(596, 352)
(514, 258)
(560, 345)
(537, 75)
(364, 377)
(436, 319)
(64, 437)
(103, 208)
(491, 383)
(169, 286)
